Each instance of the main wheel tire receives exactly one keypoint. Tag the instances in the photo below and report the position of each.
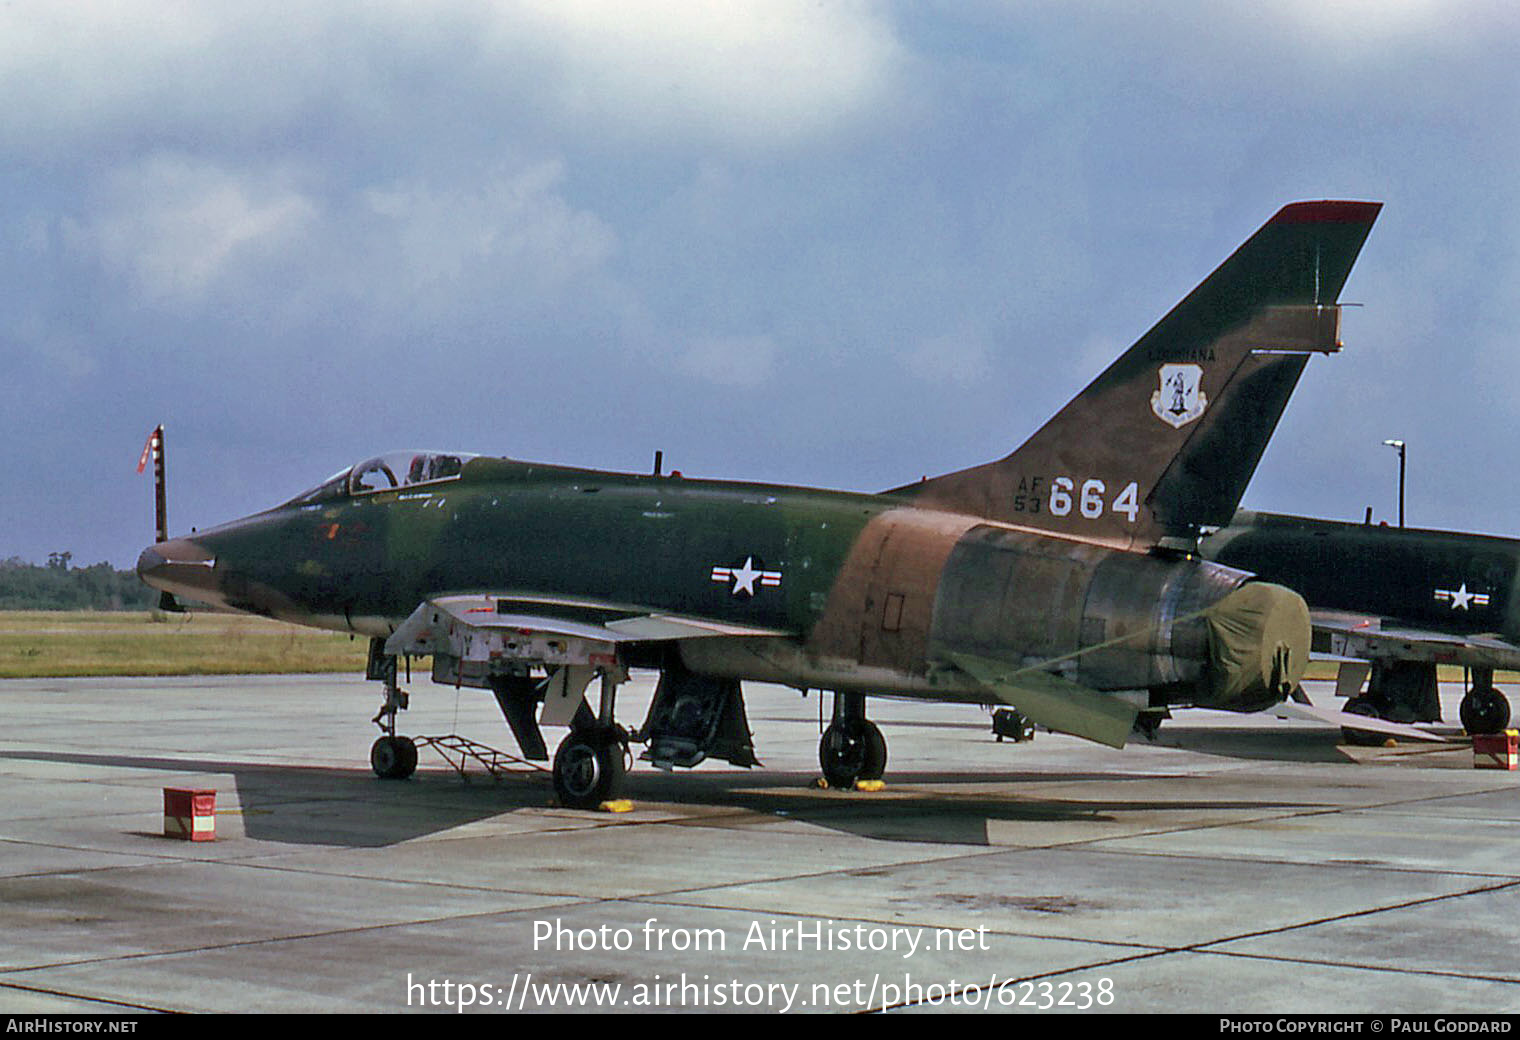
(1361, 737)
(588, 769)
(393, 758)
(852, 751)
(876, 753)
(1484, 711)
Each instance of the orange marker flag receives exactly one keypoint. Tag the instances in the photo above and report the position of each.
(147, 452)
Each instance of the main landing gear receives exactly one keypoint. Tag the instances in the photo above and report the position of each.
(1406, 691)
(590, 763)
(852, 748)
(1484, 709)
(589, 766)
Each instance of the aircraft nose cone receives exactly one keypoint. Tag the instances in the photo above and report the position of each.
(179, 566)
(150, 563)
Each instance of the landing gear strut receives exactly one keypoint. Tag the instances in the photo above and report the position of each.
(1484, 709)
(852, 747)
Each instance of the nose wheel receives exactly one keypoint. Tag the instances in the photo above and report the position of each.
(393, 758)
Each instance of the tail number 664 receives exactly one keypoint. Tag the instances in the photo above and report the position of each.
(1090, 501)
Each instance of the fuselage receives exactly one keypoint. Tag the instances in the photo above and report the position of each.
(1443, 580)
(362, 562)
(839, 590)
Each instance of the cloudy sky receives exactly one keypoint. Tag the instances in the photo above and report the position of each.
(827, 243)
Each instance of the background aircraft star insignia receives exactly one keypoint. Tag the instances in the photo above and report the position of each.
(1460, 598)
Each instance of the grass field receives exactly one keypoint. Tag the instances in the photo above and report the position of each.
(74, 643)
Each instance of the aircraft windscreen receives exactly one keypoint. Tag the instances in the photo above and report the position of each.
(335, 486)
(398, 469)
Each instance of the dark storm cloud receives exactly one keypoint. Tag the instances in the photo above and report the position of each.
(838, 244)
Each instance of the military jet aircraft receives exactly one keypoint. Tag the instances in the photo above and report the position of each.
(1393, 603)
(1060, 578)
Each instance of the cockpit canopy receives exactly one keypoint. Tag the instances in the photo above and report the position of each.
(398, 469)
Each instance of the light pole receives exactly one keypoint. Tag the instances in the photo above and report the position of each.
(1399, 447)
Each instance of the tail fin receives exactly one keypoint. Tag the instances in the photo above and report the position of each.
(1166, 439)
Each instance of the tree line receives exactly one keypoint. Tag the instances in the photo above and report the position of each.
(59, 585)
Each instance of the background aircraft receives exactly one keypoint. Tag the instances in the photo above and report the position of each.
(1059, 578)
(1398, 602)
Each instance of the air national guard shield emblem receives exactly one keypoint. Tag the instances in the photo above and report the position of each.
(1181, 398)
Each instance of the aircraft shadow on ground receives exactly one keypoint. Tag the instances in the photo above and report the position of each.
(927, 807)
(316, 805)
(350, 807)
(1272, 744)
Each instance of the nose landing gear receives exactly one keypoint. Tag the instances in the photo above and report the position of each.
(391, 757)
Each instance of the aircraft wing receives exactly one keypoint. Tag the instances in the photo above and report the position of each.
(1369, 637)
(485, 627)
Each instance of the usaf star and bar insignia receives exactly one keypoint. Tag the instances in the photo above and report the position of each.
(746, 576)
(1461, 599)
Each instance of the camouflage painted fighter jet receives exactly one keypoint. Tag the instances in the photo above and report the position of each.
(1393, 603)
(1060, 579)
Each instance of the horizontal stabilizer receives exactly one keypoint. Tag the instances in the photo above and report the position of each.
(1053, 702)
(1346, 720)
